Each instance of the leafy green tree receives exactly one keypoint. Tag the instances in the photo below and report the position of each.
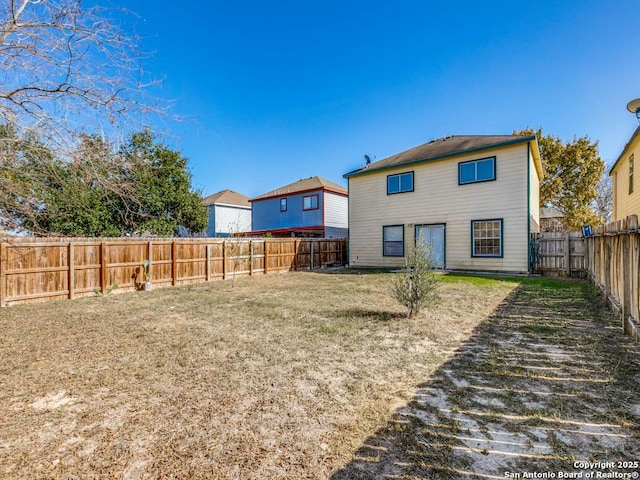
(572, 171)
(73, 196)
(164, 198)
(96, 190)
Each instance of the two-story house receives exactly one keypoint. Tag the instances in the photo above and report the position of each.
(473, 198)
(626, 190)
(311, 207)
(229, 214)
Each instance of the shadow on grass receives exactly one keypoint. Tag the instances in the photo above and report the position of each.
(543, 382)
(379, 315)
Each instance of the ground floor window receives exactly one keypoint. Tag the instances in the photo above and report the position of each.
(393, 241)
(486, 238)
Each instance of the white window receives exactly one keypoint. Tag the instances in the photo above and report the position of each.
(486, 238)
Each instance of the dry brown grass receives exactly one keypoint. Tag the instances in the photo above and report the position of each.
(276, 377)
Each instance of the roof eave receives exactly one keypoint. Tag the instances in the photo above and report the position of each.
(625, 150)
(298, 192)
(366, 170)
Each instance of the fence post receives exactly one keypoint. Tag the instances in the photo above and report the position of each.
(250, 257)
(3, 277)
(224, 259)
(295, 254)
(567, 254)
(103, 266)
(311, 255)
(174, 263)
(207, 267)
(266, 258)
(71, 279)
(626, 276)
(150, 257)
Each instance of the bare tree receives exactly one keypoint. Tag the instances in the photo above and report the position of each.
(603, 203)
(64, 66)
(67, 71)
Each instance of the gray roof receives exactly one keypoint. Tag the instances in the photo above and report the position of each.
(441, 148)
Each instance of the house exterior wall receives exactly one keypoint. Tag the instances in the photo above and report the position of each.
(224, 219)
(534, 196)
(437, 198)
(266, 214)
(625, 203)
(336, 215)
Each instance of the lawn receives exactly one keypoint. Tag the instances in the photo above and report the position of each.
(282, 377)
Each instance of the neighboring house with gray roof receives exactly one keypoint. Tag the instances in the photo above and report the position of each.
(310, 207)
(229, 214)
(473, 198)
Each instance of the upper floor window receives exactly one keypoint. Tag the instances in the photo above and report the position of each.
(481, 170)
(631, 174)
(310, 202)
(283, 204)
(399, 183)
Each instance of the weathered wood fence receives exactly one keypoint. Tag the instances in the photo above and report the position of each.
(40, 270)
(613, 263)
(559, 254)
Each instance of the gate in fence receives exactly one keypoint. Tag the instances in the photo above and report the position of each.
(559, 254)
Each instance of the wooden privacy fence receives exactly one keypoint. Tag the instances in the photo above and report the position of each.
(559, 254)
(613, 263)
(39, 270)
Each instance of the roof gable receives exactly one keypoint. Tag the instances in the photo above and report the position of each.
(227, 197)
(625, 151)
(442, 148)
(303, 185)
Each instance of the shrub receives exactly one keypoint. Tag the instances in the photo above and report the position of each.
(416, 285)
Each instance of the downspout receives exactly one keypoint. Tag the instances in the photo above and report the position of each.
(348, 222)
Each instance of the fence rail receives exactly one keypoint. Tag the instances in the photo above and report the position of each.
(40, 270)
(613, 263)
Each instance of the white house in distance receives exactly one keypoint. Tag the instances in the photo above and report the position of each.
(229, 213)
(474, 198)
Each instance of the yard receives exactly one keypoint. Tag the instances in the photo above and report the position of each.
(316, 375)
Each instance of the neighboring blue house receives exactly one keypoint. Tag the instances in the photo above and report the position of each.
(229, 214)
(312, 207)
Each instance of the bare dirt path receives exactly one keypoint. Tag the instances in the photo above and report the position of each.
(548, 387)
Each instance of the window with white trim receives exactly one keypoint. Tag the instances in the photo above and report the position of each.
(486, 238)
(393, 241)
(400, 183)
(474, 171)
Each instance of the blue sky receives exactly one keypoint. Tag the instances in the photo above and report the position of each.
(283, 90)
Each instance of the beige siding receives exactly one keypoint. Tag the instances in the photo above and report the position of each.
(534, 196)
(437, 198)
(624, 203)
